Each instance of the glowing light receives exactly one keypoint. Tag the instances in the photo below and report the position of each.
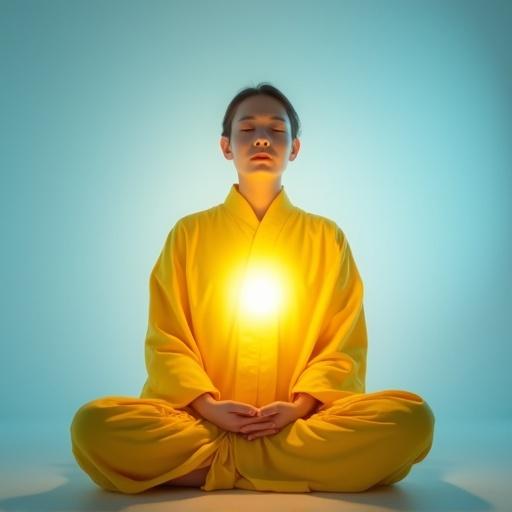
(261, 292)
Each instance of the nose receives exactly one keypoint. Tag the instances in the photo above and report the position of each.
(261, 141)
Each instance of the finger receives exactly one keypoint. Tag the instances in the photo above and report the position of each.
(253, 427)
(254, 435)
(269, 412)
(245, 411)
(256, 421)
(257, 425)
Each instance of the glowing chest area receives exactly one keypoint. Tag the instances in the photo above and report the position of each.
(261, 292)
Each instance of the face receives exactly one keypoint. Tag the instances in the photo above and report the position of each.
(260, 125)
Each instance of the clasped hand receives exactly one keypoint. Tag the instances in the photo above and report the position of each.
(250, 421)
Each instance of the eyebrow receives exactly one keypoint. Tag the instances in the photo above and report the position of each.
(279, 118)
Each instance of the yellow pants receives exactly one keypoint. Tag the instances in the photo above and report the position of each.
(129, 444)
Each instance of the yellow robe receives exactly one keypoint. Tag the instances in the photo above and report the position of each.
(210, 331)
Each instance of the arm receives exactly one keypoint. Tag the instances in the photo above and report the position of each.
(173, 360)
(306, 404)
(337, 365)
(202, 404)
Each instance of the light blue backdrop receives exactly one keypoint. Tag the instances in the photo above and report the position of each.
(110, 123)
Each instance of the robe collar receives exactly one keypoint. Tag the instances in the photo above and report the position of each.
(277, 212)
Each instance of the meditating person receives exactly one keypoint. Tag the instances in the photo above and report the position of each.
(255, 348)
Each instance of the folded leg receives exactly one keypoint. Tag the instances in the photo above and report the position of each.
(361, 441)
(129, 444)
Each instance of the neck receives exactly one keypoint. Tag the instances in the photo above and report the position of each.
(259, 193)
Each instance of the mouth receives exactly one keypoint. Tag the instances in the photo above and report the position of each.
(261, 157)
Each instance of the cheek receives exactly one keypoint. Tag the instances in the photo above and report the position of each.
(238, 142)
(282, 148)
(283, 141)
(235, 147)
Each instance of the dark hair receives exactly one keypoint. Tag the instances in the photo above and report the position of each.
(262, 88)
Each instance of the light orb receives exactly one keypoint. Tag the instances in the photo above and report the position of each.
(261, 293)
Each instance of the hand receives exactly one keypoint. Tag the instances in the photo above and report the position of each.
(229, 415)
(279, 414)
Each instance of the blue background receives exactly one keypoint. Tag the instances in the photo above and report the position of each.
(110, 123)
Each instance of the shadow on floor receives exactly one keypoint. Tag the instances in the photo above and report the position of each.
(64, 487)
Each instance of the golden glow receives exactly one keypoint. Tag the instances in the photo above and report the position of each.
(261, 292)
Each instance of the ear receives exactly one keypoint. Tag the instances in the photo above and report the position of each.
(295, 149)
(226, 147)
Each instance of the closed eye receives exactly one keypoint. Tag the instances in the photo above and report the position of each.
(250, 129)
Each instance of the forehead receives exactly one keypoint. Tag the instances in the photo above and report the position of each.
(261, 106)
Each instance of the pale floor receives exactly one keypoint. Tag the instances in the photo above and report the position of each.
(468, 469)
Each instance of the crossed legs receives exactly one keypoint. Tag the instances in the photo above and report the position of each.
(129, 444)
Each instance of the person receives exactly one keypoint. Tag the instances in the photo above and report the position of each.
(256, 347)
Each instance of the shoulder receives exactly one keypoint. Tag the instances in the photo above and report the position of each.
(325, 227)
(336, 246)
(190, 223)
(186, 227)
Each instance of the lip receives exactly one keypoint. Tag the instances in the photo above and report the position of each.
(261, 156)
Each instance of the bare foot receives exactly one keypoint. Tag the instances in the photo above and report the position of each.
(194, 479)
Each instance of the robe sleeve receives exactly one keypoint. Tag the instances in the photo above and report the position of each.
(337, 365)
(173, 360)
